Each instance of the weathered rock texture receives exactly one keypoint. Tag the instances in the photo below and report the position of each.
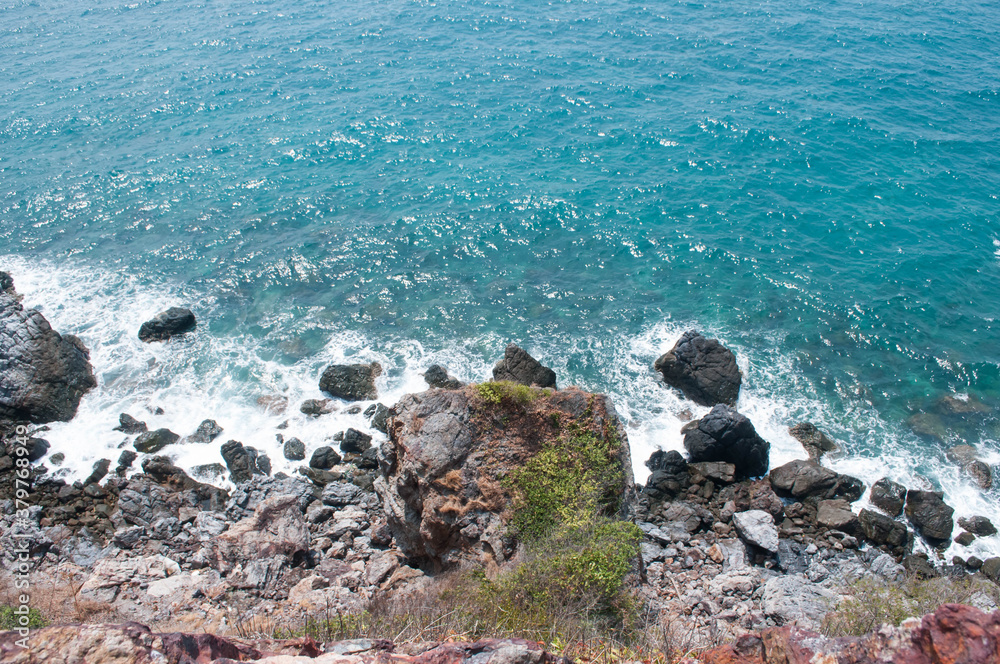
(519, 367)
(447, 452)
(43, 374)
(725, 435)
(173, 322)
(351, 382)
(954, 634)
(703, 369)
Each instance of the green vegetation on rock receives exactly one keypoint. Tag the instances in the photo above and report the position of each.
(498, 392)
(11, 620)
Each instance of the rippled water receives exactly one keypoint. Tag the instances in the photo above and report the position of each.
(815, 183)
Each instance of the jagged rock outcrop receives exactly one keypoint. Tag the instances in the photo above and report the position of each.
(43, 375)
(173, 322)
(448, 450)
(133, 643)
(954, 634)
(520, 367)
(703, 369)
(351, 382)
(725, 435)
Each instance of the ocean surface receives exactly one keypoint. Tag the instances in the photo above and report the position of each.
(814, 183)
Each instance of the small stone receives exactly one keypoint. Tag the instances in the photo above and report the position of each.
(152, 442)
(965, 538)
(130, 425)
(294, 449)
(978, 525)
(173, 322)
(324, 458)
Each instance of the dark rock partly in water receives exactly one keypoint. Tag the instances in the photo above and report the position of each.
(43, 375)
(965, 538)
(437, 376)
(883, 531)
(379, 417)
(125, 461)
(294, 449)
(980, 473)
(206, 432)
(670, 476)
(978, 525)
(208, 471)
(263, 464)
(725, 435)
(520, 367)
(888, 496)
(703, 369)
(804, 479)
(240, 460)
(173, 322)
(130, 425)
(6, 283)
(152, 442)
(101, 469)
(37, 448)
(351, 382)
(355, 442)
(324, 458)
(991, 568)
(929, 514)
(317, 407)
(813, 440)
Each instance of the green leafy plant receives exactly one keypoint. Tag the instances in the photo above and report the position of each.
(11, 620)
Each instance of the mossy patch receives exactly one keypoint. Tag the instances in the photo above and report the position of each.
(505, 391)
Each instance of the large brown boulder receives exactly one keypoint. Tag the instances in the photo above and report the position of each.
(703, 369)
(449, 451)
(43, 374)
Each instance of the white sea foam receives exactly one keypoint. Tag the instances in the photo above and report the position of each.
(224, 377)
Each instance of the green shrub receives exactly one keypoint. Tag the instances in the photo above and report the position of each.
(501, 391)
(10, 620)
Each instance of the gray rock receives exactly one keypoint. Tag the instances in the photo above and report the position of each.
(837, 514)
(804, 479)
(43, 375)
(813, 440)
(380, 418)
(888, 496)
(978, 525)
(316, 407)
(929, 514)
(725, 435)
(128, 537)
(792, 598)
(173, 322)
(341, 494)
(324, 458)
(703, 369)
(381, 566)
(248, 495)
(757, 528)
(206, 432)
(130, 425)
(881, 530)
(991, 568)
(294, 449)
(240, 461)
(717, 471)
(520, 367)
(351, 382)
(437, 376)
(152, 442)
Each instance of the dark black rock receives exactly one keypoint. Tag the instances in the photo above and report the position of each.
(437, 376)
(130, 425)
(173, 322)
(152, 442)
(929, 514)
(351, 382)
(991, 568)
(888, 496)
(37, 448)
(206, 432)
(240, 460)
(6, 282)
(380, 418)
(978, 525)
(520, 367)
(369, 459)
(101, 469)
(125, 461)
(43, 375)
(355, 442)
(882, 530)
(974, 562)
(703, 369)
(294, 449)
(725, 435)
(918, 565)
(324, 458)
(670, 475)
(264, 464)
(804, 479)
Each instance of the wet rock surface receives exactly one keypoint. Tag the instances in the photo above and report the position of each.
(173, 322)
(727, 436)
(703, 369)
(520, 367)
(351, 382)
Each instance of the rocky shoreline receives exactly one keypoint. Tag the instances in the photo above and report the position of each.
(731, 549)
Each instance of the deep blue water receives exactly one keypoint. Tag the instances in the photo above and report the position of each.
(816, 183)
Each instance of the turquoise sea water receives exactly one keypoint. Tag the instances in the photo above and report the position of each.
(816, 183)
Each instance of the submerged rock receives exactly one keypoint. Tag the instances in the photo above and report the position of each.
(130, 425)
(43, 375)
(813, 440)
(725, 435)
(703, 369)
(520, 367)
(152, 442)
(173, 322)
(351, 382)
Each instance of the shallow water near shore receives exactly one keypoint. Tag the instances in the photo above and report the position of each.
(421, 182)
